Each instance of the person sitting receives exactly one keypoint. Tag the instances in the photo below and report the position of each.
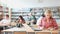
(6, 21)
(21, 20)
(32, 18)
(48, 22)
(7, 18)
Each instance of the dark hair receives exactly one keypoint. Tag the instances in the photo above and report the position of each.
(22, 18)
(7, 15)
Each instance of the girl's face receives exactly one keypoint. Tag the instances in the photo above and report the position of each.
(19, 18)
(48, 15)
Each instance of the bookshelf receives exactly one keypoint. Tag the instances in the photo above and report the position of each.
(35, 11)
(5, 10)
(39, 11)
(17, 12)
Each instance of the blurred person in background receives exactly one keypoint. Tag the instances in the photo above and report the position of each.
(32, 18)
(39, 19)
(48, 22)
(21, 19)
(6, 20)
(3, 21)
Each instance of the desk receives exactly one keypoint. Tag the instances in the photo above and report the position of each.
(26, 29)
(47, 31)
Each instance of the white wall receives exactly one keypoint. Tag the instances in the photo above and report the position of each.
(30, 3)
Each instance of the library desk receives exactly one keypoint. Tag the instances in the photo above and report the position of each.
(47, 31)
(28, 30)
(23, 30)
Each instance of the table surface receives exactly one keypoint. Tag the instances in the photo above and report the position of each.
(35, 26)
(27, 29)
(24, 28)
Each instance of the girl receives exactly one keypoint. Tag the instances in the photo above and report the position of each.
(48, 22)
(21, 20)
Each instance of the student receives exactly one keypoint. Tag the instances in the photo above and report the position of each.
(4, 22)
(21, 19)
(48, 22)
(39, 20)
(7, 19)
(32, 18)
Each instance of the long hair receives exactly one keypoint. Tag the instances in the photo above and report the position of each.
(22, 18)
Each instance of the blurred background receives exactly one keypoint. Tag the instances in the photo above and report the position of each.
(23, 7)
